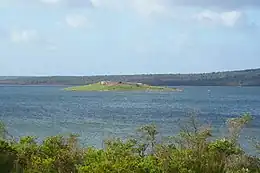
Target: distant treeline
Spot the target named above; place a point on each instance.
(250, 77)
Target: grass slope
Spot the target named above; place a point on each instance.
(119, 87)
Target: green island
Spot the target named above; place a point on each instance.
(119, 86)
(191, 151)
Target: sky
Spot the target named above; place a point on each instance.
(96, 37)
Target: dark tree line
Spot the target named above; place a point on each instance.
(250, 77)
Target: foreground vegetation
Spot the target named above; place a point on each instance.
(119, 86)
(192, 151)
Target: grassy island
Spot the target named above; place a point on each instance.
(119, 86)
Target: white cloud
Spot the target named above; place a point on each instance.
(223, 4)
(229, 19)
(150, 7)
(46, 3)
(32, 37)
(24, 36)
(51, 1)
(145, 8)
(97, 3)
(68, 3)
(76, 21)
(110, 4)
(232, 18)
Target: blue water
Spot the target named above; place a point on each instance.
(48, 110)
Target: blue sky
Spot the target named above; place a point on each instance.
(92, 37)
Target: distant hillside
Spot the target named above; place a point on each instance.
(8, 77)
(250, 77)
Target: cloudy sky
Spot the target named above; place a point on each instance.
(91, 37)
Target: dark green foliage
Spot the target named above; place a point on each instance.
(191, 151)
(8, 156)
(3, 132)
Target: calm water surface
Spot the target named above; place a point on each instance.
(48, 110)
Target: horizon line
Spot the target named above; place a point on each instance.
(134, 74)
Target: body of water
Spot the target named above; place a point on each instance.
(48, 110)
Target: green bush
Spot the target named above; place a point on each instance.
(192, 151)
(8, 156)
